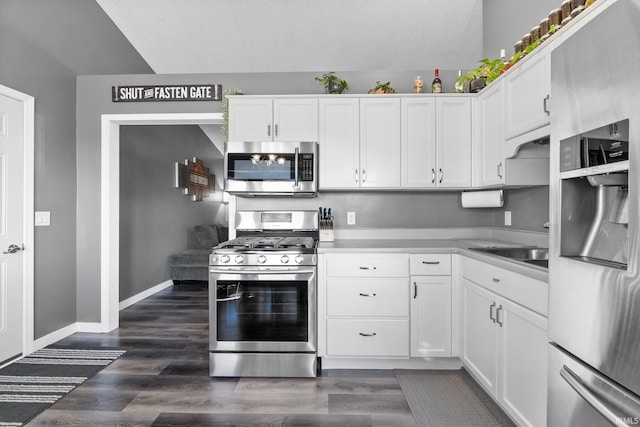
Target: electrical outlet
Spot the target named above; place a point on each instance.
(507, 218)
(351, 218)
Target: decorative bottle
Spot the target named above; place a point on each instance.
(436, 85)
(459, 86)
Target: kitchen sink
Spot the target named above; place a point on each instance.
(530, 255)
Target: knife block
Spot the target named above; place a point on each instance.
(326, 231)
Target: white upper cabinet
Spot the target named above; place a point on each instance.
(418, 137)
(339, 142)
(527, 96)
(265, 119)
(453, 135)
(359, 142)
(379, 142)
(436, 142)
(489, 151)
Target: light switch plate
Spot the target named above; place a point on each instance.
(43, 218)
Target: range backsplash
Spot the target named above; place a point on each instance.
(412, 209)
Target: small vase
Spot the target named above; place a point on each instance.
(335, 88)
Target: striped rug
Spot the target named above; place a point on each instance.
(30, 385)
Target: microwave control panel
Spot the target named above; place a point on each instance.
(305, 167)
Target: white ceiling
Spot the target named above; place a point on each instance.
(231, 36)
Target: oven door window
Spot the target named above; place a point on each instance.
(261, 167)
(262, 311)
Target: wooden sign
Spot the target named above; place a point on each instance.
(206, 92)
(195, 179)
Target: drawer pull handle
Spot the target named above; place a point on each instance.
(431, 262)
(367, 295)
(368, 268)
(496, 280)
(498, 320)
(362, 334)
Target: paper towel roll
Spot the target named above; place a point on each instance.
(482, 199)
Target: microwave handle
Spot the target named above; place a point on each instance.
(296, 171)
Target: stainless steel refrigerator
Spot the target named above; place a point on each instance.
(594, 278)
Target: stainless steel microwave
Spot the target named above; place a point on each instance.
(271, 168)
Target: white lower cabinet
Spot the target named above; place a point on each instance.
(367, 305)
(504, 346)
(430, 305)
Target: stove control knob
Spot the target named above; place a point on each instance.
(284, 259)
(239, 259)
(262, 259)
(299, 259)
(224, 259)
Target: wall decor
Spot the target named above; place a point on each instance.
(205, 92)
(194, 178)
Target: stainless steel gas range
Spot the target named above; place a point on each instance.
(262, 297)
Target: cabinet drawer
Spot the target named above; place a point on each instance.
(368, 337)
(367, 265)
(519, 288)
(430, 264)
(368, 297)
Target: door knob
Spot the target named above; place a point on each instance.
(12, 249)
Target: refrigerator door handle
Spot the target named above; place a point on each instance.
(603, 407)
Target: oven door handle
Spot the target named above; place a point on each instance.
(297, 172)
(247, 271)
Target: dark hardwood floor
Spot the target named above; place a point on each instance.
(163, 380)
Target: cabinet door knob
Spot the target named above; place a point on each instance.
(496, 280)
(491, 316)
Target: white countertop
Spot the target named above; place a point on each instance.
(421, 246)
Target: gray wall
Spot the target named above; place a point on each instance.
(45, 44)
(506, 21)
(154, 215)
(386, 209)
(529, 209)
(304, 35)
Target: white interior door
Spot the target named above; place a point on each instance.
(12, 125)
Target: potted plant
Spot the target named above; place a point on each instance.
(333, 83)
(382, 88)
(476, 79)
(224, 127)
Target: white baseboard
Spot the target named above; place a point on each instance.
(54, 337)
(93, 327)
(145, 294)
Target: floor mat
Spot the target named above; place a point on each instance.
(32, 384)
(439, 398)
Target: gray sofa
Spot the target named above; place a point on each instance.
(192, 264)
